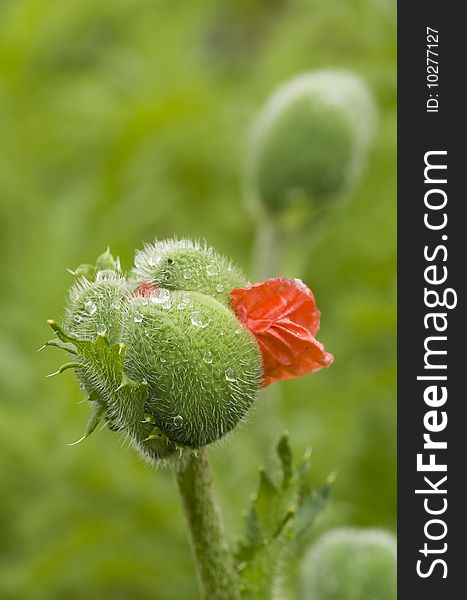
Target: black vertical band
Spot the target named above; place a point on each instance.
(432, 333)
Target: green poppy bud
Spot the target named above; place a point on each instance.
(309, 142)
(351, 564)
(202, 367)
(189, 266)
(95, 307)
(168, 363)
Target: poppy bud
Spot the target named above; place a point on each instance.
(351, 564)
(163, 358)
(309, 141)
(174, 356)
(185, 265)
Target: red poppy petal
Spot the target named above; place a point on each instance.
(144, 289)
(283, 316)
(265, 303)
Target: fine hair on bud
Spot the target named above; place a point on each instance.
(309, 142)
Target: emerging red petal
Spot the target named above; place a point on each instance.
(283, 316)
(144, 290)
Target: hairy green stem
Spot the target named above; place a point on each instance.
(213, 559)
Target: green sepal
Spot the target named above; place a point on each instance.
(107, 262)
(65, 367)
(61, 334)
(58, 343)
(104, 262)
(123, 399)
(98, 410)
(85, 270)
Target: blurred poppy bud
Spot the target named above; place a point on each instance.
(351, 564)
(173, 355)
(309, 142)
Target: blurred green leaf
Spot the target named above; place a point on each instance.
(279, 516)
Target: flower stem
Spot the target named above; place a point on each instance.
(213, 559)
(267, 251)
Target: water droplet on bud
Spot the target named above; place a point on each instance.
(138, 318)
(178, 420)
(90, 307)
(199, 320)
(212, 270)
(187, 274)
(154, 260)
(219, 288)
(185, 302)
(160, 295)
(230, 375)
(208, 357)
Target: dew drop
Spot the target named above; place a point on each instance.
(154, 260)
(178, 420)
(230, 375)
(185, 302)
(208, 357)
(187, 274)
(219, 288)
(90, 307)
(212, 270)
(160, 295)
(199, 320)
(138, 318)
(101, 329)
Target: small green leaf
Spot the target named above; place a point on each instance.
(311, 504)
(278, 518)
(285, 455)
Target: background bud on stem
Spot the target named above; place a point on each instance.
(307, 147)
(309, 142)
(351, 564)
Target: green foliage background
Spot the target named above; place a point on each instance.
(125, 120)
